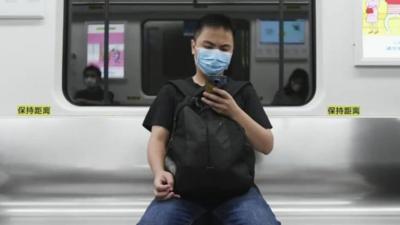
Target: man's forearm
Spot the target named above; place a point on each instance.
(156, 155)
(259, 137)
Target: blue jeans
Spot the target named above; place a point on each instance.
(247, 209)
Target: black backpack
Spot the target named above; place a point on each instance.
(210, 152)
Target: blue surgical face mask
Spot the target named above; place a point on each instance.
(212, 62)
(91, 82)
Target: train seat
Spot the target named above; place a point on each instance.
(59, 177)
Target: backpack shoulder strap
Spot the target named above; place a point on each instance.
(185, 88)
(234, 86)
(189, 92)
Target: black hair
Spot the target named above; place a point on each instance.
(298, 74)
(215, 21)
(92, 68)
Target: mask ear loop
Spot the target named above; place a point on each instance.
(196, 57)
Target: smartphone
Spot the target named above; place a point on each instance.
(218, 81)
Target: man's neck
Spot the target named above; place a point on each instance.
(199, 78)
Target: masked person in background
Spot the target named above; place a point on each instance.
(296, 90)
(210, 136)
(93, 94)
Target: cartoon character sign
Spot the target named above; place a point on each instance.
(95, 48)
(115, 55)
(380, 31)
(372, 11)
(393, 10)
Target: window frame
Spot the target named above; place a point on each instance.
(67, 44)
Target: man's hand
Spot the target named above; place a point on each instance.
(222, 102)
(163, 186)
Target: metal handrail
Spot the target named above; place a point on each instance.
(106, 97)
(99, 2)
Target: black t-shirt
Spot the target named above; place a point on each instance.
(162, 110)
(92, 94)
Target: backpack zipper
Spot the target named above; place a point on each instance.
(209, 166)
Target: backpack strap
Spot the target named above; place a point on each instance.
(189, 92)
(233, 86)
(185, 88)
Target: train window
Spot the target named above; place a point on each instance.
(149, 43)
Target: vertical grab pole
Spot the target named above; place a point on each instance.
(311, 25)
(281, 44)
(106, 99)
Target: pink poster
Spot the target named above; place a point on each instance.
(95, 49)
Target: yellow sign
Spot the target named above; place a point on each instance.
(344, 110)
(33, 110)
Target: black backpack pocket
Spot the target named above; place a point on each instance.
(226, 142)
(188, 146)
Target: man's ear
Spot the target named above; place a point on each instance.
(193, 43)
